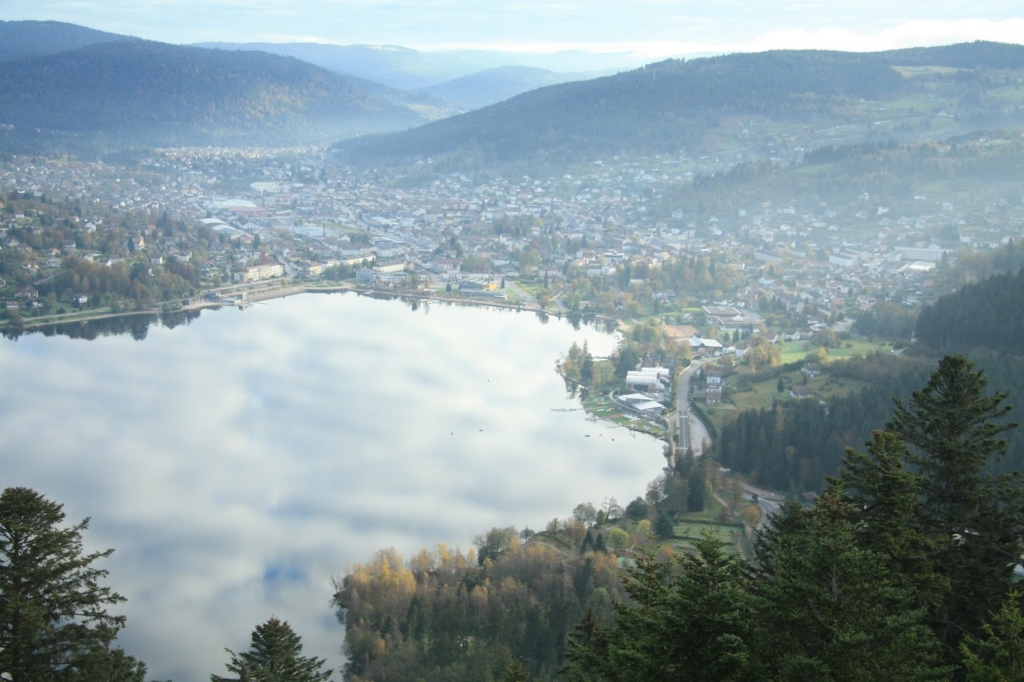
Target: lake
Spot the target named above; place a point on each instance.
(236, 464)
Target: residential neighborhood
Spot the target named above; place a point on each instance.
(608, 240)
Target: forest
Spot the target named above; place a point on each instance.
(902, 569)
(983, 314)
(794, 446)
(663, 107)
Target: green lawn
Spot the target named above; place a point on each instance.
(687, 532)
(721, 415)
(795, 351)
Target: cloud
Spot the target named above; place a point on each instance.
(918, 33)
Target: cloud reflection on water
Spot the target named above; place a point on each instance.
(239, 463)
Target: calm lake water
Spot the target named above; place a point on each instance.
(240, 462)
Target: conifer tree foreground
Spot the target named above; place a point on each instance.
(54, 623)
(891, 575)
(973, 519)
(275, 656)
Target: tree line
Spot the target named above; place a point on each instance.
(982, 314)
(445, 615)
(792, 446)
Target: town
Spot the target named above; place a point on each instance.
(628, 238)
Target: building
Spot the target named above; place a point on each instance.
(649, 380)
(260, 272)
(713, 392)
(641, 404)
(930, 255)
(698, 344)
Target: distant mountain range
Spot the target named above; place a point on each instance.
(461, 79)
(673, 105)
(131, 92)
(69, 87)
(490, 86)
(72, 88)
(398, 67)
(37, 38)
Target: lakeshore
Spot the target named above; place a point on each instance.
(244, 295)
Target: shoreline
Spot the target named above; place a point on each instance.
(282, 291)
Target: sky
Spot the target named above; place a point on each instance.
(645, 30)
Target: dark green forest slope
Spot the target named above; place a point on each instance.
(986, 314)
(794, 446)
(137, 92)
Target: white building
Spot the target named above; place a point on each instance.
(641, 403)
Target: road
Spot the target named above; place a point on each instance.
(691, 430)
(693, 434)
(769, 502)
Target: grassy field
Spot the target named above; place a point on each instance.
(687, 532)
(795, 351)
(763, 393)
(721, 415)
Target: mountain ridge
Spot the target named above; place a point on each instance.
(670, 105)
(37, 38)
(147, 93)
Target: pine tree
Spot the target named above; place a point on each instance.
(515, 672)
(693, 624)
(952, 428)
(999, 654)
(53, 618)
(887, 494)
(695, 490)
(275, 656)
(587, 367)
(828, 608)
(663, 526)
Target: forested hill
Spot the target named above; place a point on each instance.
(661, 107)
(986, 314)
(36, 38)
(668, 106)
(140, 92)
(979, 54)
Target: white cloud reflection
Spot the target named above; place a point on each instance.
(237, 464)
